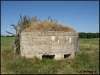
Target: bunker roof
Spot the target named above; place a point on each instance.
(33, 24)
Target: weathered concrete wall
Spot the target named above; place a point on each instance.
(56, 43)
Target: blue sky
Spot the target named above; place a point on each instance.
(83, 16)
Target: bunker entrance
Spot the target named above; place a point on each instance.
(48, 56)
(66, 55)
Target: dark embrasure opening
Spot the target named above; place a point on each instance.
(48, 56)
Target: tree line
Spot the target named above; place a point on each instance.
(88, 35)
(7, 35)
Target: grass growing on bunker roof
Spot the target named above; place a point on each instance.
(33, 24)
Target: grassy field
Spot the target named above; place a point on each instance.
(87, 61)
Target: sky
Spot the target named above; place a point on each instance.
(83, 16)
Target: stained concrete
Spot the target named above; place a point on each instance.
(57, 43)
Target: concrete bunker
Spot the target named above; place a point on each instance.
(45, 38)
(49, 44)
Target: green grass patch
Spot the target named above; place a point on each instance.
(7, 41)
(15, 64)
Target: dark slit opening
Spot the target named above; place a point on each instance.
(48, 56)
(66, 55)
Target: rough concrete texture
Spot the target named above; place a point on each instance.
(57, 43)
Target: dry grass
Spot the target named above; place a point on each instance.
(45, 26)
